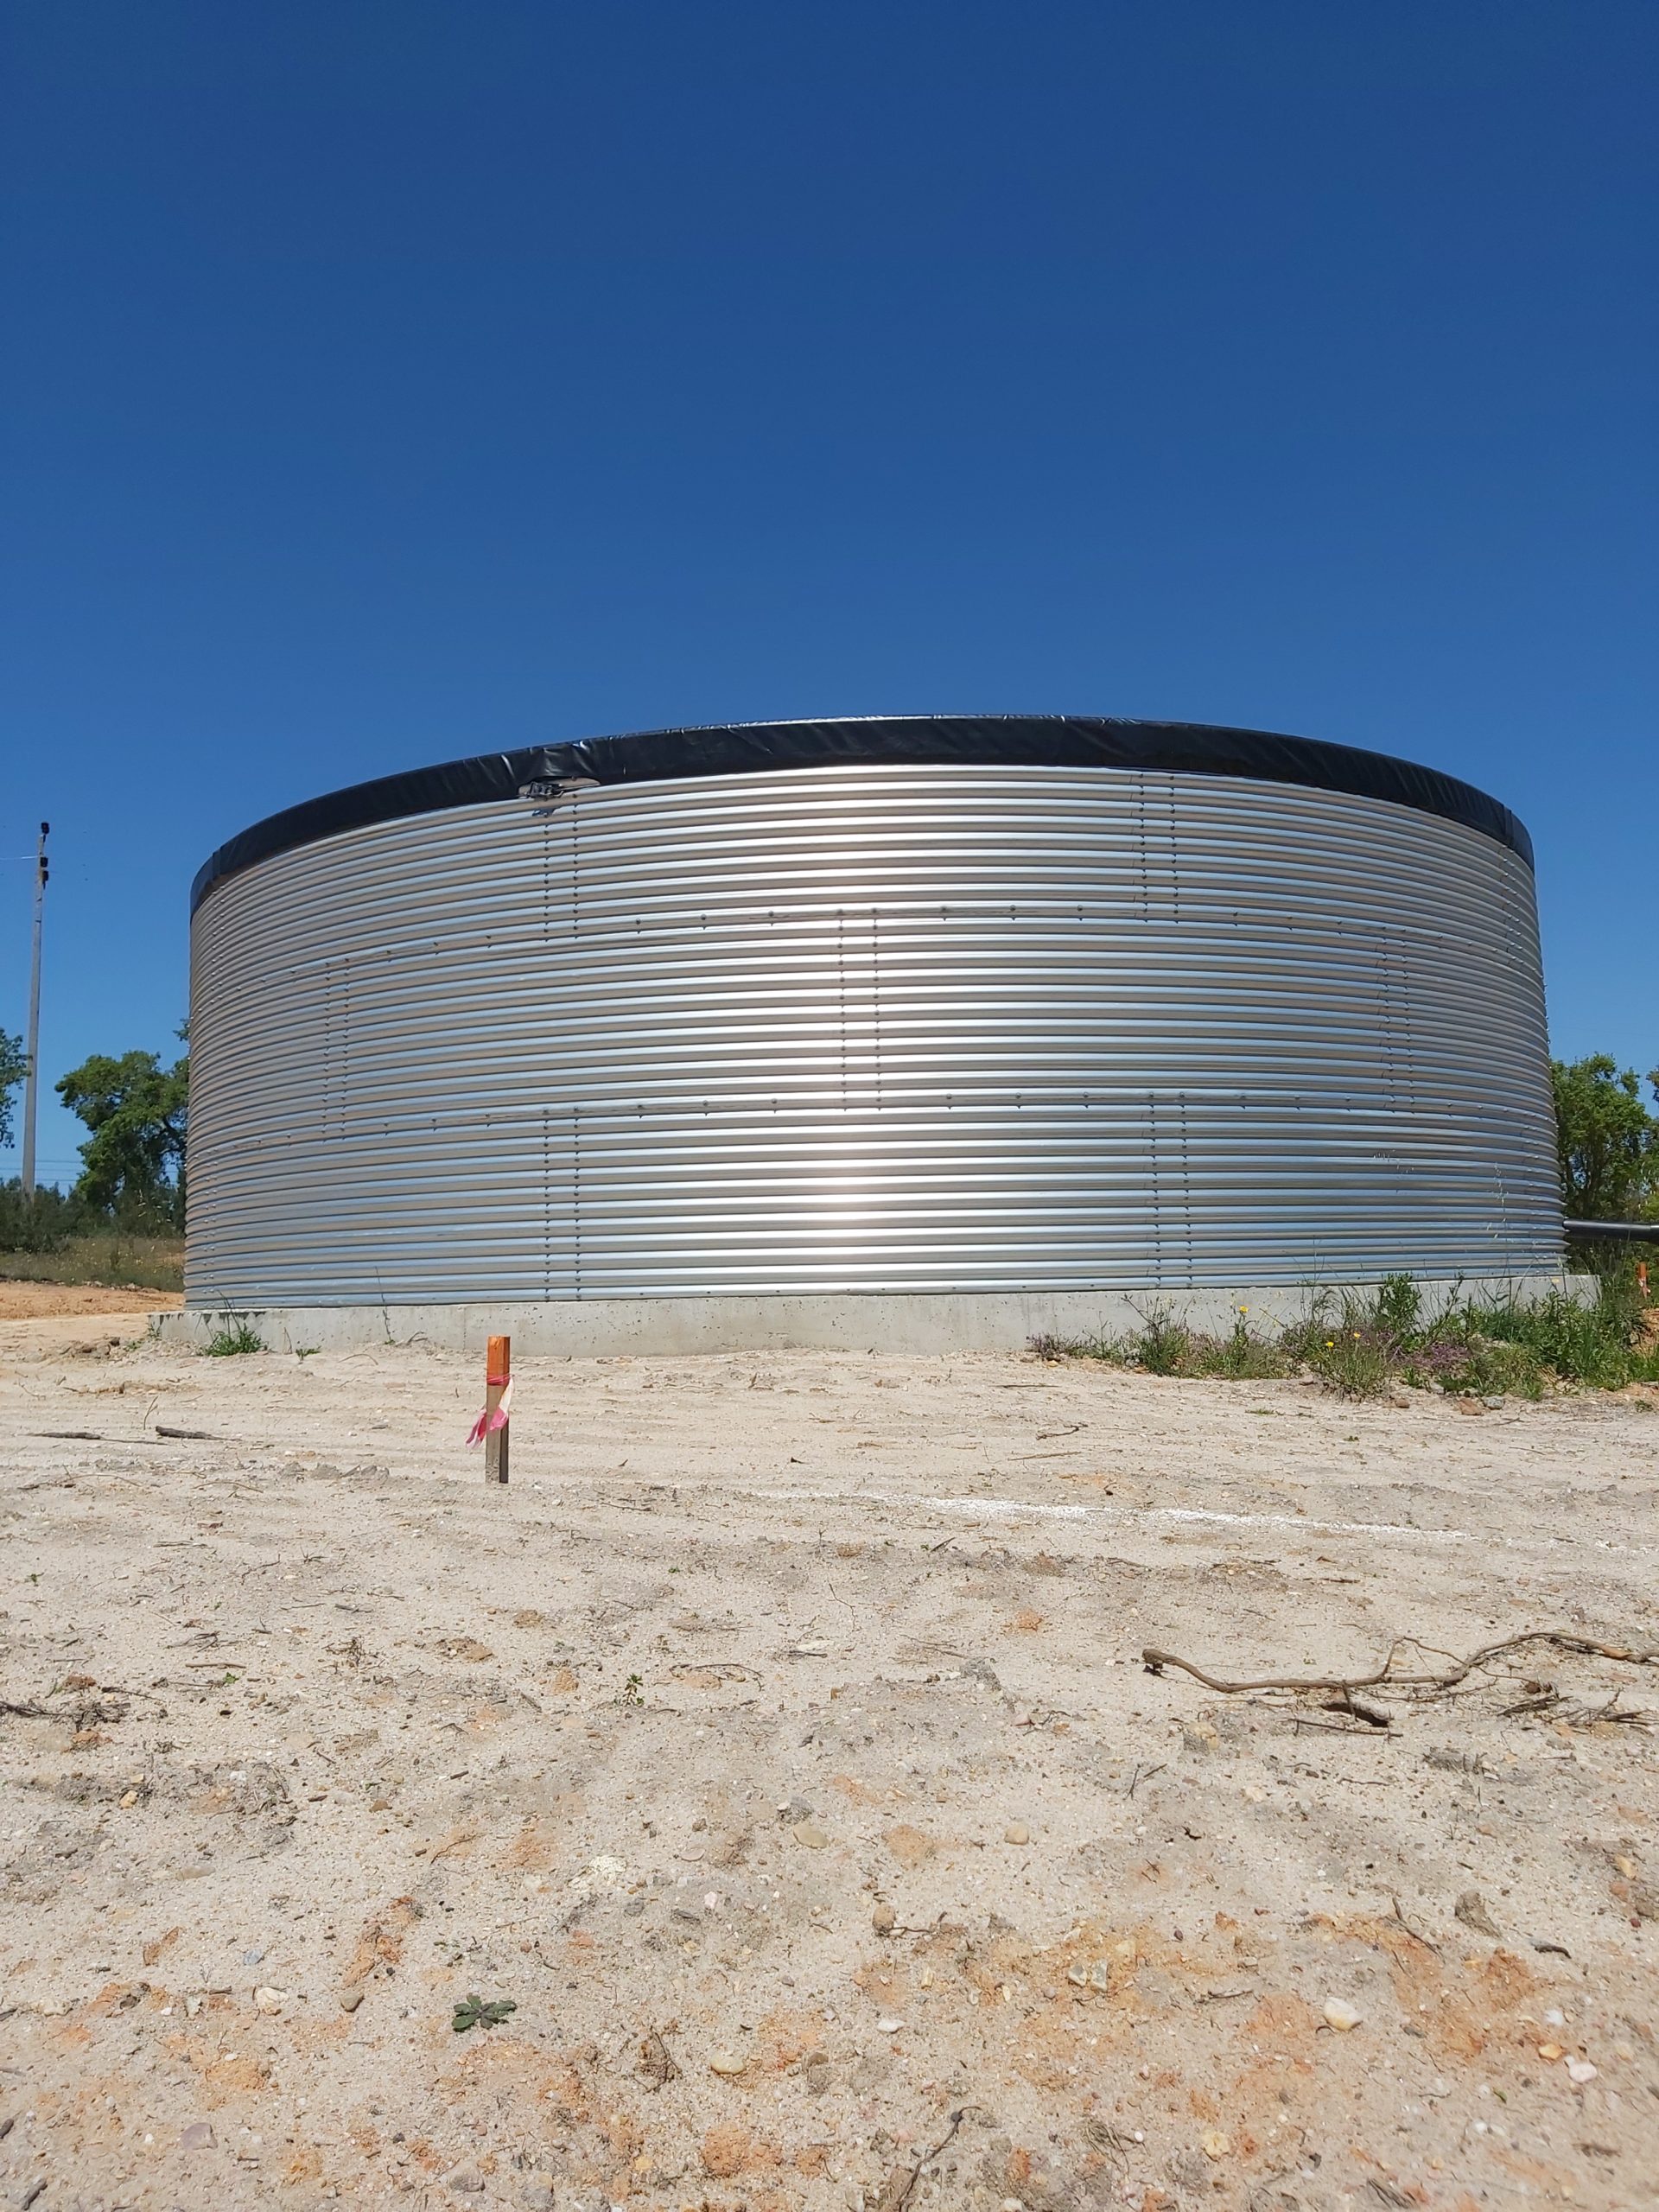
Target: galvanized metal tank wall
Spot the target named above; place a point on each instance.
(877, 1028)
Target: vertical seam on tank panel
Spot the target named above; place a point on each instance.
(344, 1085)
(547, 821)
(1155, 1191)
(876, 999)
(1519, 991)
(1407, 1029)
(575, 1103)
(323, 1088)
(1385, 964)
(1174, 850)
(1396, 1018)
(841, 987)
(1156, 1239)
(1175, 920)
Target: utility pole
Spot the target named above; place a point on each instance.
(32, 1047)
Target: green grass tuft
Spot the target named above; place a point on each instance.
(236, 1336)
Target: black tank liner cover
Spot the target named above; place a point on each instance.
(747, 748)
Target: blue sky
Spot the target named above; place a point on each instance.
(387, 380)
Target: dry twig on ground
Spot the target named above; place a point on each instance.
(1421, 1684)
(895, 2193)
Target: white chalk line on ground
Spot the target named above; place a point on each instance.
(993, 1508)
(1214, 1515)
(1007, 1508)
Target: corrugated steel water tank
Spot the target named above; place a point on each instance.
(939, 1004)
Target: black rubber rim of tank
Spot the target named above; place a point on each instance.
(746, 748)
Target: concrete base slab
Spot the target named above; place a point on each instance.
(868, 1322)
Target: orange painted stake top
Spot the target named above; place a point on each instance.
(497, 1369)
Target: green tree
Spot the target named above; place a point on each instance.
(1607, 1141)
(133, 1162)
(13, 1066)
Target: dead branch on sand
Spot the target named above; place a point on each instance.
(1419, 1685)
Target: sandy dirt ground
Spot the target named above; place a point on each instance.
(778, 1746)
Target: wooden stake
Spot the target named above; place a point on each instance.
(498, 1373)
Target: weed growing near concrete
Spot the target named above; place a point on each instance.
(1358, 1345)
(235, 1337)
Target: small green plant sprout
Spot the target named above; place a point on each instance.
(1240, 1357)
(306, 1352)
(236, 1335)
(1166, 1344)
(634, 1690)
(1399, 1306)
(476, 2013)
